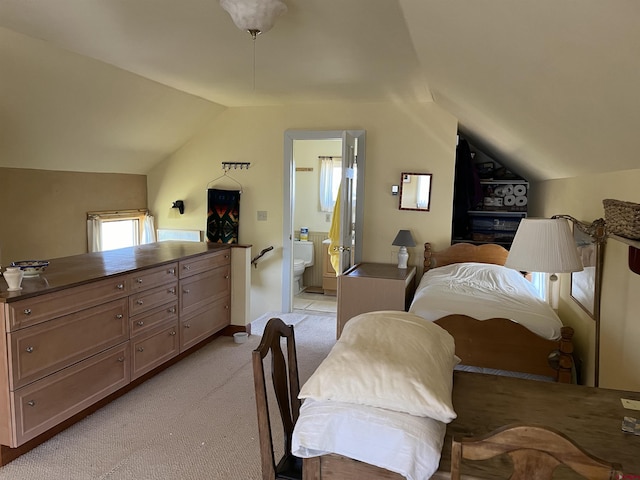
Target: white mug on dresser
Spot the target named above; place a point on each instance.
(13, 276)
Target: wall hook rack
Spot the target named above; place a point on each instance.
(235, 165)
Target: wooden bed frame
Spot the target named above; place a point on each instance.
(499, 343)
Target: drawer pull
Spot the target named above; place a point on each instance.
(187, 325)
(187, 267)
(29, 349)
(139, 302)
(172, 310)
(186, 290)
(172, 333)
(226, 256)
(119, 316)
(140, 349)
(140, 323)
(226, 307)
(226, 276)
(120, 286)
(27, 311)
(172, 290)
(121, 359)
(171, 271)
(139, 280)
(31, 403)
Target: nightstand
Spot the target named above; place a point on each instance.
(368, 287)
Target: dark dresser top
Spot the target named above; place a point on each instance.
(76, 270)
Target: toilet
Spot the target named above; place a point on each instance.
(302, 258)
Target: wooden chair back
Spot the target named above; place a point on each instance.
(286, 386)
(535, 451)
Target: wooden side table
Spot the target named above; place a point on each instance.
(368, 287)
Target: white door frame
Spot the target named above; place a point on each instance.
(288, 201)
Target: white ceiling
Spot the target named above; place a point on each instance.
(548, 85)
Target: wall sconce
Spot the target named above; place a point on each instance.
(179, 204)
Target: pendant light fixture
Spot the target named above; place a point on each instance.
(254, 16)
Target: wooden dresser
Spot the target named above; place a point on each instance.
(91, 324)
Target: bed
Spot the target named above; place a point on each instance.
(500, 342)
(385, 406)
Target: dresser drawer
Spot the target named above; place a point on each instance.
(204, 323)
(199, 290)
(153, 277)
(47, 402)
(147, 320)
(42, 349)
(204, 263)
(154, 297)
(153, 348)
(52, 305)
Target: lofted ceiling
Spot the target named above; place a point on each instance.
(118, 85)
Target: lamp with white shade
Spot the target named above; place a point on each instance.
(403, 240)
(545, 245)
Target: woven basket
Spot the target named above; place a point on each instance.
(623, 218)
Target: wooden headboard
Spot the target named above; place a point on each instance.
(464, 252)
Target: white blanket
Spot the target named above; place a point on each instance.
(399, 442)
(484, 291)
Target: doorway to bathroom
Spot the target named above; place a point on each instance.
(309, 278)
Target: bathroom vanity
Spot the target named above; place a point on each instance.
(91, 325)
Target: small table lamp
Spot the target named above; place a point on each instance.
(403, 240)
(544, 245)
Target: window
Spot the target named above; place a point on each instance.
(330, 176)
(109, 230)
(539, 282)
(120, 233)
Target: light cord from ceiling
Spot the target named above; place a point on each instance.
(254, 34)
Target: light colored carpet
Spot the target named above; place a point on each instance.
(195, 420)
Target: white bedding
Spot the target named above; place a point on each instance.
(389, 359)
(484, 291)
(357, 403)
(402, 443)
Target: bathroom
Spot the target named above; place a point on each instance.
(314, 282)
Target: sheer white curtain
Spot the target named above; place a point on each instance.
(94, 234)
(326, 184)
(148, 230)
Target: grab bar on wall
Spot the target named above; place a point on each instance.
(254, 260)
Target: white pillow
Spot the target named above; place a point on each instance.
(389, 359)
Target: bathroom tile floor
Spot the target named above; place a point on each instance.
(317, 302)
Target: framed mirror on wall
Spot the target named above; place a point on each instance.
(415, 191)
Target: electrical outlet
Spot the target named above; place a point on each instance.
(262, 215)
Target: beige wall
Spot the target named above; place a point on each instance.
(44, 213)
(400, 137)
(581, 197)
